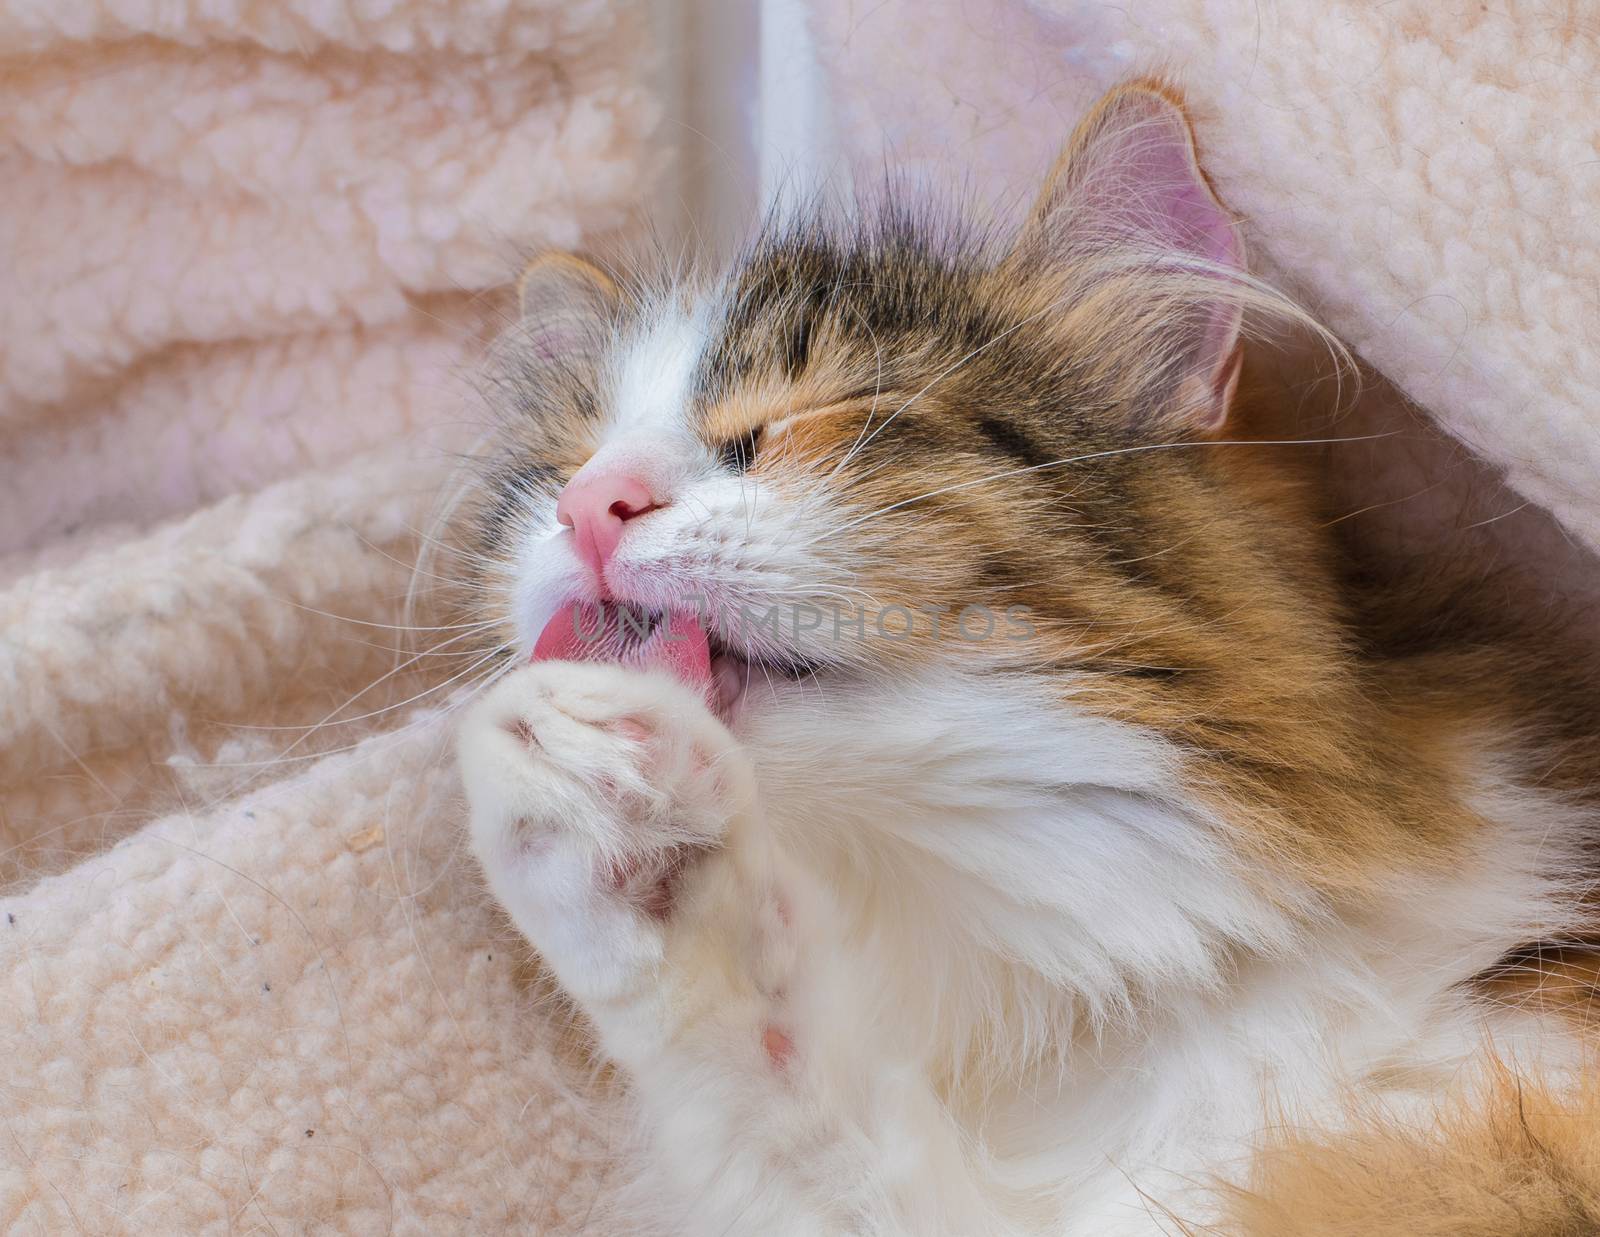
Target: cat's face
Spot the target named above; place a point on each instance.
(873, 448)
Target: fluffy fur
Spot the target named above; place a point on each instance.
(1052, 933)
(1499, 1155)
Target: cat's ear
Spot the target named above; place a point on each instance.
(1127, 194)
(567, 308)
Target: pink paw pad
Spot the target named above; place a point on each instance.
(633, 730)
(778, 1046)
(651, 884)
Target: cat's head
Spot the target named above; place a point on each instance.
(881, 445)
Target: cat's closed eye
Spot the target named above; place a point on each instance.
(738, 453)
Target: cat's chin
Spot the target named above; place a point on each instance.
(739, 683)
(730, 675)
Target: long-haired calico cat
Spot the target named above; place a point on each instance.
(963, 782)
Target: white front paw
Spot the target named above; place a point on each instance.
(595, 794)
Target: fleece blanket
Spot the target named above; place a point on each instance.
(248, 978)
(249, 254)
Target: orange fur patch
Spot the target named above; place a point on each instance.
(1517, 1160)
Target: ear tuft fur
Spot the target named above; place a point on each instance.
(567, 306)
(1127, 199)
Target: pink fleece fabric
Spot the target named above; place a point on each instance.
(249, 980)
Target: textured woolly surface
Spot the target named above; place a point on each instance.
(1422, 174)
(250, 981)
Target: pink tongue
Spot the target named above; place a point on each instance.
(560, 641)
(679, 646)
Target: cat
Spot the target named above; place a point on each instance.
(965, 784)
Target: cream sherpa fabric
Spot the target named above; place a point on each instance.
(248, 255)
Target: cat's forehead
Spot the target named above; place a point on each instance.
(808, 318)
(659, 367)
(868, 284)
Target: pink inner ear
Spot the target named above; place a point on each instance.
(1142, 169)
(1138, 182)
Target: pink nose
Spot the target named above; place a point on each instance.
(595, 507)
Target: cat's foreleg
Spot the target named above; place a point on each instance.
(618, 823)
